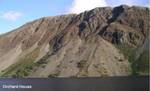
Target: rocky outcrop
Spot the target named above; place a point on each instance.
(83, 45)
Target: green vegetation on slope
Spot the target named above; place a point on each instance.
(23, 67)
(128, 52)
(26, 65)
(141, 65)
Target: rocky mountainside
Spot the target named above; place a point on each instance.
(96, 43)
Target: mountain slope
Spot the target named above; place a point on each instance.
(84, 45)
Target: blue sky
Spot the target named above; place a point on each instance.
(14, 13)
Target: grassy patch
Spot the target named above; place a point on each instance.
(23, 67)
(139, 65)
(128, 52)
(27, 64)
(142, 63)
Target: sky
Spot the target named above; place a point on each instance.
(14, 13)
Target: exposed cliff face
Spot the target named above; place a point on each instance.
(84, 45)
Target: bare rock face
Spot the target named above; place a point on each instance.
(127, 25)
(84, 45)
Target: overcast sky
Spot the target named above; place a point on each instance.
(14, 13)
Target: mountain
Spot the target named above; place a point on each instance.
(97, 43)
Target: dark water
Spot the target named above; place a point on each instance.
(80, 84)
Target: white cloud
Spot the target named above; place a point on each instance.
(131, 2)
(11, 15)
(1, 33)
(128, 2)
(79, 6)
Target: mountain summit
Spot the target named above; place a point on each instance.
(96, 43)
